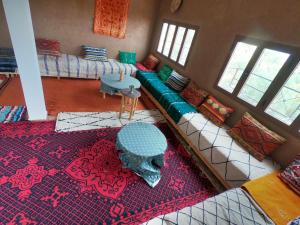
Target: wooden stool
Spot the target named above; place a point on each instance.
(129, 101)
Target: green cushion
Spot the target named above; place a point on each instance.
(127, 57)
(146, 77)
(165, 72)
(167, 99)
(178, 109)
(158, 88)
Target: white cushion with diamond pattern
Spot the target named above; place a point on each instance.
(231, 207)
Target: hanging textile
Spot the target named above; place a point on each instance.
(111, 17)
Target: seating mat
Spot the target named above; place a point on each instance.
(280, 202)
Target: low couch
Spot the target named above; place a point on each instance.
(230, 162)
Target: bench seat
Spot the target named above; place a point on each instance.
(167, 97)
(229, 159)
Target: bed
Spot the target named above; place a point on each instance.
(266, 200)
(71, 66)
(234, 206)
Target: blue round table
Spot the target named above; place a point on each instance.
(111, 83)
(143, 146)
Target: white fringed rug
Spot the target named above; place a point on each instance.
(76, 121)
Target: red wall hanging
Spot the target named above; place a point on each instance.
(111, 17)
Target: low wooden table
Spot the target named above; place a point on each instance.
(111, 83)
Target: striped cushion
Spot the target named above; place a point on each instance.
(47, 47)
(176, 81)
(95, 54)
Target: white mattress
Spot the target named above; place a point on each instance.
(230, 160)
(234, 206)
(72, 66)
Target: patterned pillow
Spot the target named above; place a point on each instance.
(165, 72)
(193, 94)
(151, 62)
(291, 175)
(295, 221)
(176, 81)
(95, 54)
(127, 57)
(256, 138)
(47, 47)
(215, 110)
(141, 67)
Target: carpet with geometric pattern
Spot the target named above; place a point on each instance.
(77, 178)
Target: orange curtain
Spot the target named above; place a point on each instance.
(111, 17)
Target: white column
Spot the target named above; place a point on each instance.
(19, 22)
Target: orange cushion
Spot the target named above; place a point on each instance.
(193, 94)
(141, 67)
(215, 110)
(151, 62)
(47, 47)
(256, 138)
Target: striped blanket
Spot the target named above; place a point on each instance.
(12, 113)
(8, 61)
(76, 67)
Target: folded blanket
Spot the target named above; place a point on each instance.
(7, 52)
(8, 61)
(8, 69)
(277, 200)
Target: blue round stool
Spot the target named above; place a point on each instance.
(143, 146)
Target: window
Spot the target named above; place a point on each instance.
(262, 75)
(169, 39)
(175, 42)
(236, 66)
(286, 105)
(265, 76)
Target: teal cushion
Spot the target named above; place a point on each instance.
(174, 104)
(167, 99)
(127, 57)
(146, 77)
(153, 84)
(158, 88)
(165, 72)
(177, 110)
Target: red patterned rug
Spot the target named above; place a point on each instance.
(77, 178)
